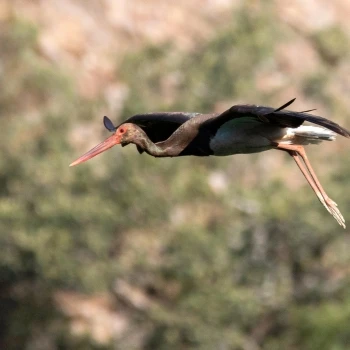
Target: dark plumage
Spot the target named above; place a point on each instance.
(240, 129)
(279, 116)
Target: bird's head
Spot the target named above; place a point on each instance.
(126, 133)
(129, 133)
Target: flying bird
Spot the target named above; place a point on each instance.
(241, 129)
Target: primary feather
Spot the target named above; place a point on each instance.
(279, 116)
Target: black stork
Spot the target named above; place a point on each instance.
(240, 129)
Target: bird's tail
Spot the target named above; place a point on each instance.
(305, 135)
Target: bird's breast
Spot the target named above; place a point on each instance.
(245, 135)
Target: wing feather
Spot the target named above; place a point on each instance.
(280, 116)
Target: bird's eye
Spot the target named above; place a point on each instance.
(121, 130)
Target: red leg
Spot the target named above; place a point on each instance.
(304, 165)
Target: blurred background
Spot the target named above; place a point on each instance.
(132, 252)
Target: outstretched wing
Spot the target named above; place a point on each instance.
(279, 116)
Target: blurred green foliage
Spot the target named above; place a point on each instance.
(332, 44)
(221, 69)
(254, 266)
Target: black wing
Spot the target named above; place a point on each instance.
(279, 116)
(159, 126)
(108, 124)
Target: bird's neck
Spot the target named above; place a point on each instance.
(148, 146)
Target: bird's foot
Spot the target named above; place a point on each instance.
(332, 207)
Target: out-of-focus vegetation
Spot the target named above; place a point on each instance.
(229, 253)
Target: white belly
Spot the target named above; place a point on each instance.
(245, 135)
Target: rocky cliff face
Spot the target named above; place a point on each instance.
(87, 38)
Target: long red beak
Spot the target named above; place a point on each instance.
(103, 146)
